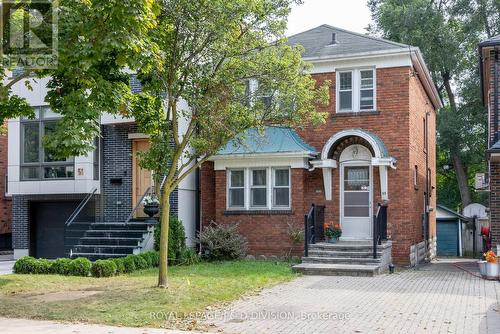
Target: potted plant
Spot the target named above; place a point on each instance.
(491, 265)
(151, 205)
(332, 232)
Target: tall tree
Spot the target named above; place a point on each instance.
(229, 61)
(447, 33)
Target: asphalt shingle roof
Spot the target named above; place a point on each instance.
(270, 140)
(492, 41)
(317, 42)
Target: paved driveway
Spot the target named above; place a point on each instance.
(6, 267)
(436, 298)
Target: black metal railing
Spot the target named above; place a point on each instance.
(379, 227)
(309, 229)
(80, 207)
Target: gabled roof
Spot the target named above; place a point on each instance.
(490, 42)
(450, 212)
(317, 42)
(495, 148)
(270, 140)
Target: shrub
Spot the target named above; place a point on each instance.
(147, 258)
(189, 257)
(176, 239)
(30, 265)
(80, 267)
(103, 268)
(155, 259)
(129, 264)
(139, 262)
(25, 265)
(120, 267)
(223, 242)
(60, 266)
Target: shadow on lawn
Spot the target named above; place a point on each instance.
(4, 281)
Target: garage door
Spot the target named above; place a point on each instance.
(47, 228)
(447, 238)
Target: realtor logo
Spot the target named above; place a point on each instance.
(29, 33)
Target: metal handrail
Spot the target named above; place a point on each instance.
(148, 191)
(131, 215)
(378, 232)
(309, 236)
(79, 208)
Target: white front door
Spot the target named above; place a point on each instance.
(356, 200)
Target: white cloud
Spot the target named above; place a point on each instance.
(352, 15)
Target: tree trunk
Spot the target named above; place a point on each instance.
(165, 217)
(462, 179)
(460, 170)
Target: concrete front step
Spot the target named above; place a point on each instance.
(341, 260)
(336, 269)
(340, 253)
(348, 246)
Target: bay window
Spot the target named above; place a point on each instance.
(38, 162)
(259, 188)
(356, 90)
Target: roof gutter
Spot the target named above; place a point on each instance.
(428, 83)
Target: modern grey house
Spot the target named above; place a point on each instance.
(87, 205)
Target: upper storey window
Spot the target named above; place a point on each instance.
(37, 162)
(356, 90)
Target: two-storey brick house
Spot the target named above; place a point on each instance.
(377, 145)
(489, 52)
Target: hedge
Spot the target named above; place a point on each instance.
(83, 267)
(104, 268)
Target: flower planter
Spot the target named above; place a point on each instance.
(482, 267)
(492, 271)
(151, 210)
(333, 240)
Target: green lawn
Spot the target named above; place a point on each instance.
(130, 300)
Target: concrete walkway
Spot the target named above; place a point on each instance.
(436, 298)
(22, 326)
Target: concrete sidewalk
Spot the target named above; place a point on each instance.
(23, 326)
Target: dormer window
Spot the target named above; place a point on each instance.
(356, 90)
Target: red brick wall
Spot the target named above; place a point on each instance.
(494, 165)
(5, 203)
(396, 91)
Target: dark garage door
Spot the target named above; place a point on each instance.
(47, 228)
(447, 238)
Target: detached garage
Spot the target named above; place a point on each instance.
(449, 231)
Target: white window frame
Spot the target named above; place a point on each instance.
(353, 79)
(274, 186)
(230, 187)
(356, 89)
(252, 187)
(247, 172)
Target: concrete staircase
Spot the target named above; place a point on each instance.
(346, 258)
(99, 240)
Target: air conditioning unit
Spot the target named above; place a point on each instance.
(481, 182)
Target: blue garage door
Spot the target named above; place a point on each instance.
(447, 238)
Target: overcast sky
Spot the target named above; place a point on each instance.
(347, 14)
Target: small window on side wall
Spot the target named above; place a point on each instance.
(415, 178)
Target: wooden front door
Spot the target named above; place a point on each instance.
(141, 178)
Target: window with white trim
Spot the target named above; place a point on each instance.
(267, 188)
(281, 187)
(236, 189)
(356, 90)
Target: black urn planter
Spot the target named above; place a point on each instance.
(151, 210)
